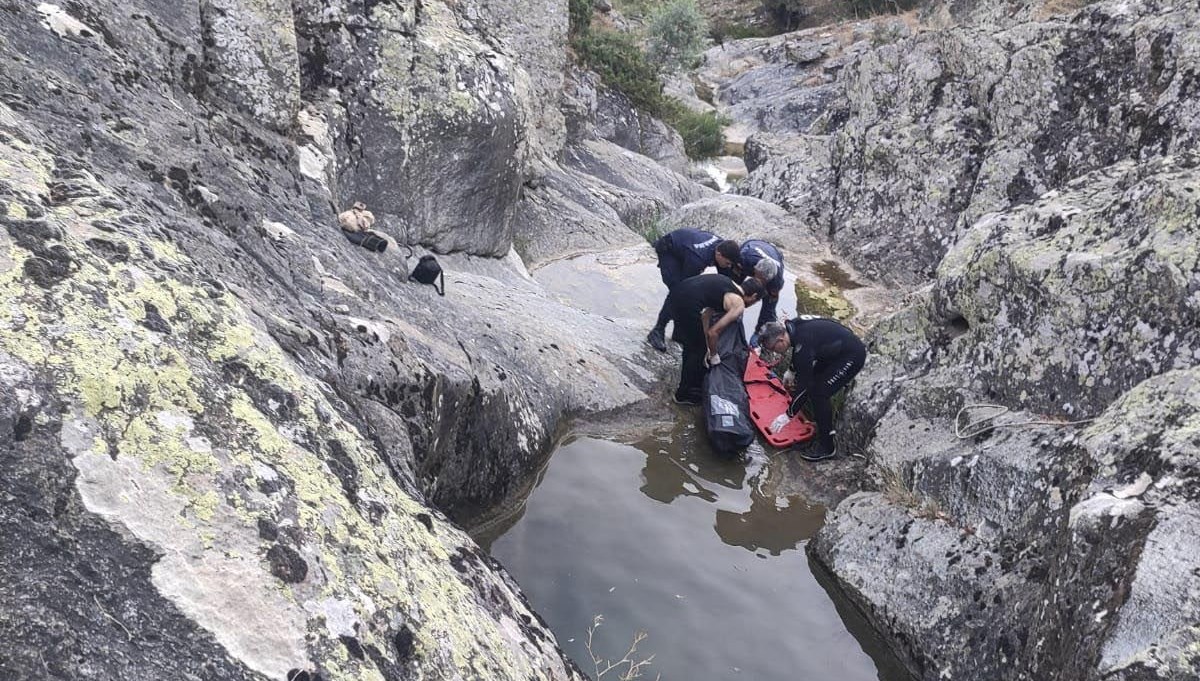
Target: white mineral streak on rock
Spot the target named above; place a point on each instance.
(339, 615)
(313, 163)
(1135, 489)
(277, 230)
(56, 19)
(226, 591)
(240, 603)
(369, 326)
(1104, 505)
(317, 157)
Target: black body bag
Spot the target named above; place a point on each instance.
(726, 405)
(428, 271)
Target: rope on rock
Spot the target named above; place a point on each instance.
(977, 427)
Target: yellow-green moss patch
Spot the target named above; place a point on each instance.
(827, 302)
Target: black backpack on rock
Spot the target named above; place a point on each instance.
(427, 271)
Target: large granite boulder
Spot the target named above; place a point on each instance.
(1033, 550)
(1072, 299)
(600, 196)
(432, 134)
(1057, 307)
(594, 111)
(930, 132)
(1032, 554)
(534, 34)
(233, 444)
(182, 494)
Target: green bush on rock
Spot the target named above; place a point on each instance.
(623, 66)
(702, 132)
(580, 16)
(677, 34)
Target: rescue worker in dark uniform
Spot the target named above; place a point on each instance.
(763, 261)
(826, 356)
(693, 303)
(685, 253)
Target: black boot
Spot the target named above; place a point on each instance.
(819, 452)
(657, 339)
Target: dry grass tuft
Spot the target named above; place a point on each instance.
(629, 667)
(897, 489)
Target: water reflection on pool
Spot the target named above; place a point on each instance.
(660, 535)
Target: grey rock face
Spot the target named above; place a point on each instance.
(600, 196)
(931, 132)
(779, 84)
(223, 426)
(618, 121)
(251, 58)
(534, 34)
(1145, 462)
(1034, 555)
(433, 134)
(1072, 301)
(1017, 553)
(596, 112)
(78, 597)
(1078, 296)
(240, 486)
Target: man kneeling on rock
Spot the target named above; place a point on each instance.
(685, 253)
(826, 356)
(356, 225)
(692, 304)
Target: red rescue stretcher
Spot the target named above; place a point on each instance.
(769, 399)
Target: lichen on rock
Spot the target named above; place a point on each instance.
(1077, 311)
(923, 136)
(232, 425)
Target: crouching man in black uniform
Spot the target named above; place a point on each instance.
(826, 356)
(683, 254)
(693, 303)
(764, 262)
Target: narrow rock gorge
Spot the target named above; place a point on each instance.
(233, 445)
